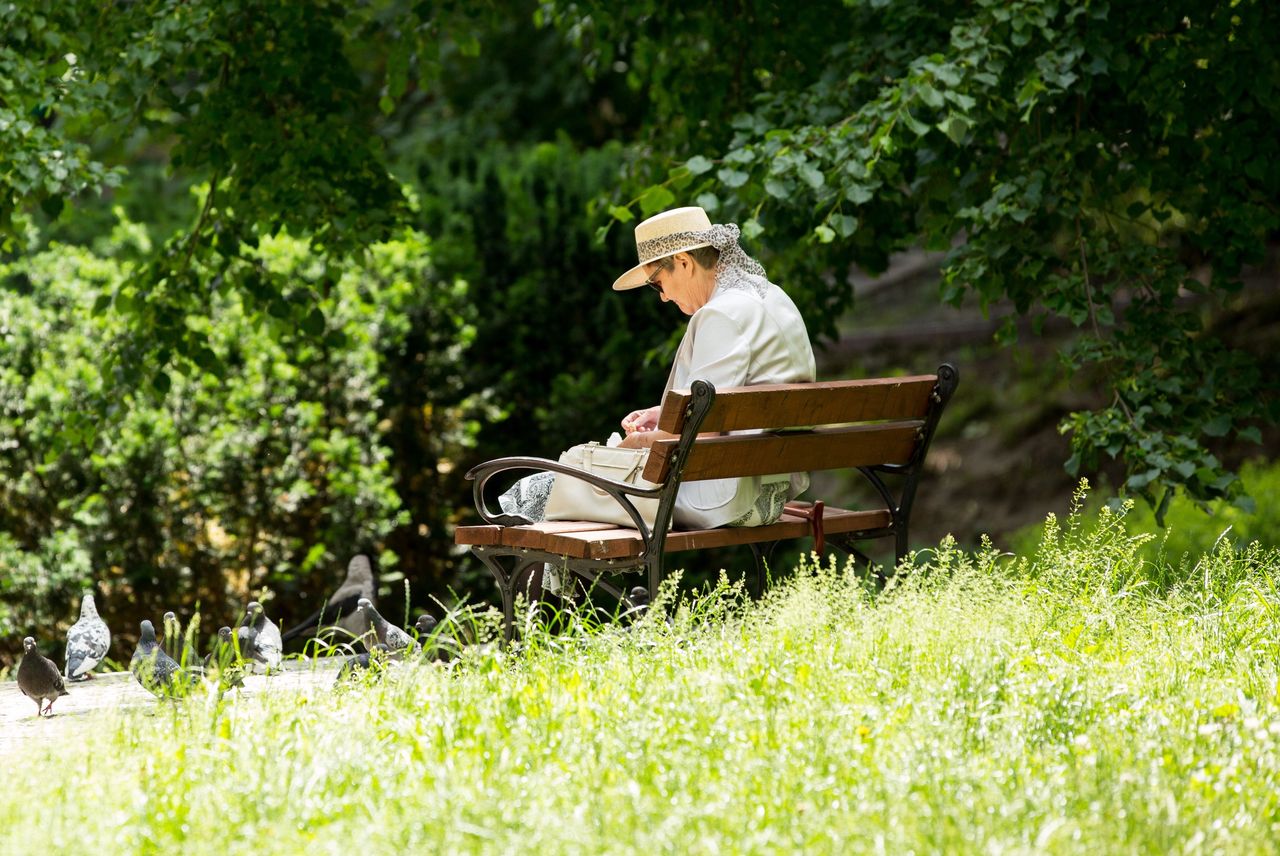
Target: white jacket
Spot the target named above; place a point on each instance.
(739, 339)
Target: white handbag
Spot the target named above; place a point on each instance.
(574, 499)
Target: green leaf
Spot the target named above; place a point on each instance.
(313, 323)
(955, 127)
(752, 229)
(825, 233)
(777, 188)
(698, 164)
(844, 225)
(858, 194)
(655, 199)
(812, 176)
(621, 213)
(732, 178)
(931, 96)
(1218, 426)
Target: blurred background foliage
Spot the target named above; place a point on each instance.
(274, 275)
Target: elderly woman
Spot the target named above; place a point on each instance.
(743, 330)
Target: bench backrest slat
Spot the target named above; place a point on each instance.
(769, 453)
(774, 406)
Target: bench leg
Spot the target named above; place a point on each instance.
(509, 570)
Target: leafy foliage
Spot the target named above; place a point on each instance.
(211, 484)
(1096, 161)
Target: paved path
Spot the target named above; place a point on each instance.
(118, 690)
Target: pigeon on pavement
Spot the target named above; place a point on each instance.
(173, 638)
(87, 642)
(397, 641)
(223, 663)
(340, 611)
(223, 652)
(39, 678)
(374, 658)
(436, 644)
(268, 646)
(158, 673)
(247, 645)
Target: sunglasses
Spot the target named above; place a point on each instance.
(654, 284)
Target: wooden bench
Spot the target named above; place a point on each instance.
(881, 427)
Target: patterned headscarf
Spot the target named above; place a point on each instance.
(734, 270)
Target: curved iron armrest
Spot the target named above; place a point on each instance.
(704, 395)
(616, 489)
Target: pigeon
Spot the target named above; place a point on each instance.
(359, 662)
(340, 611)
(639, 601)
(397, 641)
(267, 644)
(223, 663)
(436, 644)
(173, 637)
(158, 673)
(87, 642)
(247, 645)
(223, 652)
(39, 678)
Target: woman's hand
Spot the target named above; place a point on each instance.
(644, 439)
(640, 420)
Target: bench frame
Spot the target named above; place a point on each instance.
(515, 551)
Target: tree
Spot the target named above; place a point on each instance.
(1108, 163)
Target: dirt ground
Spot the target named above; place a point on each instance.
(96, 700)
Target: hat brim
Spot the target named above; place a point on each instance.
(636, 277)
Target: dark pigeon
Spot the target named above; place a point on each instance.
(397, 641)
(340, 613)
(375, 659)
(436, 644)
(268, 646)
(87, 642)
(39, 678)
(639, 603)
(223, 663)
(158, 673)
(223, 652)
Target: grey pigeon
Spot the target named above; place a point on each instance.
(223, 652)
(340, 611)
(223, 664)
(247, 645)
(39, 678)
(436, 644)
(268, 645)
(639, 601)
(173, 637)
(158, 673)
(87, 642)
(374, 658)
(397, 641)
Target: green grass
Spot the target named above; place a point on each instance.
(1190, 530)
(1057, 702)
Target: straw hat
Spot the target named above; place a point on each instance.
(662, 235)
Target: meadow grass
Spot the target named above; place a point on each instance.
(1055, 702)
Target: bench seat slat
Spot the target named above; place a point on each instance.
(585, 540)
